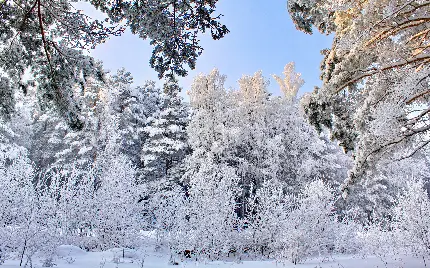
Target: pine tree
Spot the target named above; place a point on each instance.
(166, 146)
(46, 38)
(132, 106)
(82, 146)
(374, 97)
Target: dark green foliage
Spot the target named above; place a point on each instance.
(171, 25)
(308, 15)
(45, 39)
(7, 101)
(333, 115)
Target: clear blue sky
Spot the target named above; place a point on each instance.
(262, 37)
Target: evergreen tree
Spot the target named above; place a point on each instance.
(166, 146)
(46, 38)
(132, 106)
(374, 97)
(83, 146)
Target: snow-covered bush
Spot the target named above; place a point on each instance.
(116, 221)
(73, 190)
(411, 221)
(406, 231)
(377, 239)
(17, 201)
(208, 224)
(310, 225)
(291, 227)
(164, 205)
(28, 223)
(96, 207)
(269, 211)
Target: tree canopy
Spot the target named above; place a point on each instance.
(46, 39)
(376, 77)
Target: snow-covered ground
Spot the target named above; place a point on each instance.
(73, 257)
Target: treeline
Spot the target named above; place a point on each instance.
(234, 172)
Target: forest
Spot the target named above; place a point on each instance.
(96, 171)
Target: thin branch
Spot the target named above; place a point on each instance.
(27, 15)
(59, 50)
(383, 68)
(417, 96)
(42, 31)
(418, 35)
(415, 119)
(380, 99)
(417, 130)
(390, 15)
(415, 151)
(420, 49)
(399, 27)
(411, 133)
(416, 7)
(17, 4)
(422, 65)
(2, 4)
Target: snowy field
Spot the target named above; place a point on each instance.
(73, 257)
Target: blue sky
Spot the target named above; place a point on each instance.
(262, 37)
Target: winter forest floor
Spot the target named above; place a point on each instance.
(73, 257)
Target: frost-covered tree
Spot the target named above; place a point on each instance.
(113, 104)
(291, 227)
(209, 102)
(411, 221)
(131, 107)
(48, 130)
(16, 174)
(97, 207)
(83, 146)
(269, 209)
(307, 14)
(15, 124)
(211, 226)
(374, 97)
(73, 190)
(378, 192)
(116, 223)
(164, 211)
(311, 225)
(46, 39)
(210, 132)
(7, 98)
(281, 142)
(166, 145)
(263, 137)
(175, 33)
(268, 149)
(27, 224)
(407, 230)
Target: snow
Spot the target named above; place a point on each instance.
(85, 149)
(69, 250)
(74, 257)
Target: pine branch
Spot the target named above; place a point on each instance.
(383, 68)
